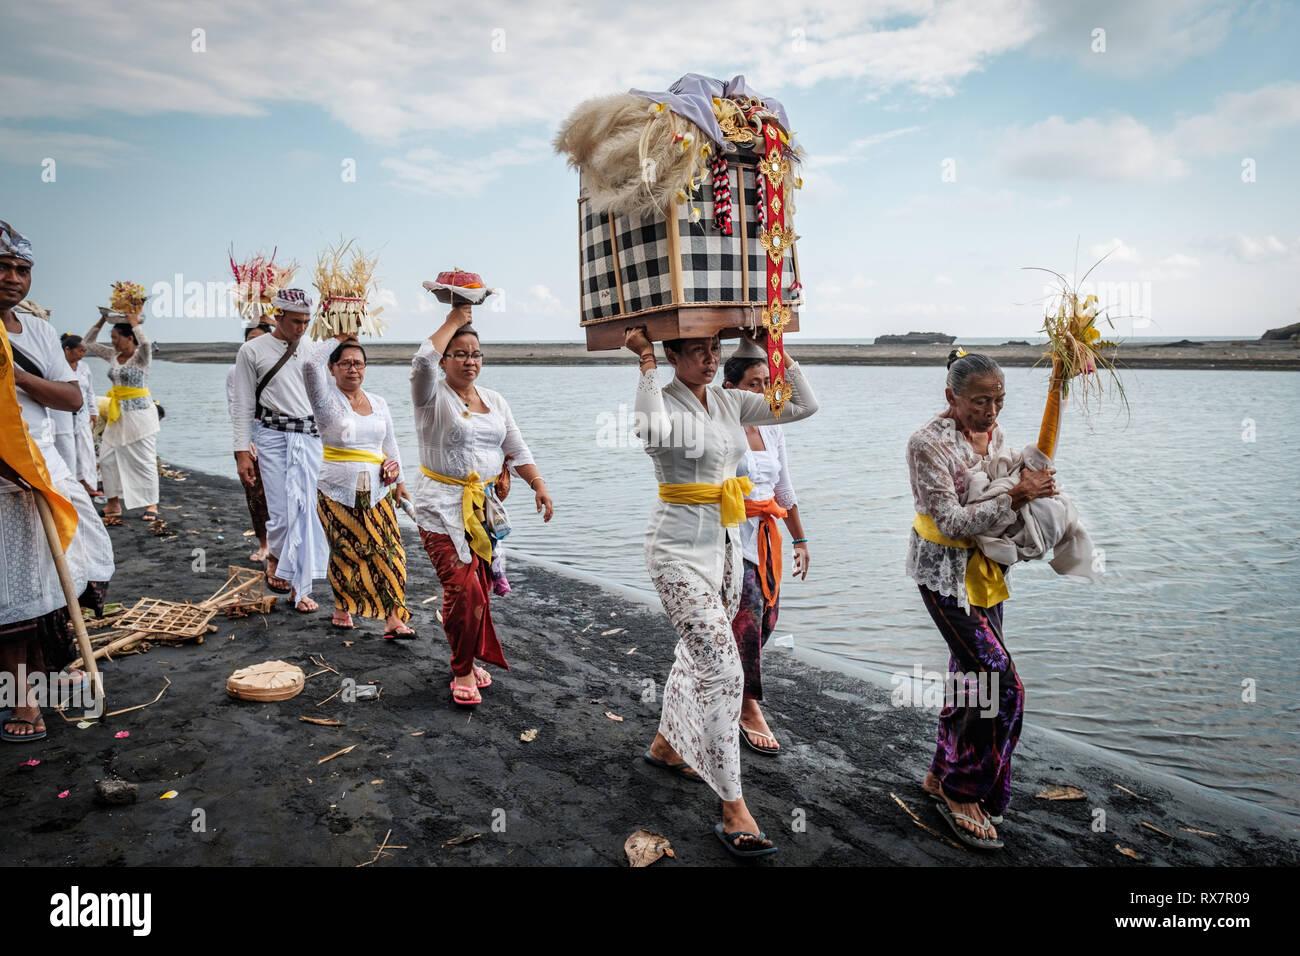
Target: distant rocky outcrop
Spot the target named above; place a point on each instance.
(916, 338)
(1284, 334)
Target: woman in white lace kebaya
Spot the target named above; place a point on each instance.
(128, 456)
(970, 775)
(359, 484)
(466, 434)
(694, 434)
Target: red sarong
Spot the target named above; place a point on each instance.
(466, 617)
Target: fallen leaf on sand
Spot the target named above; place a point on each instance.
(613, 613)
(457, 841)
(429, 600)
(612, 630)
(439, 616)
(168, 795)
(64, 794)
(528, 736)
(322, 721)
(418, 733)
(248, 534)
(1150, 826)
(632, 651)
(1198, 832)
(1056, 791)
(613, 716)
(122, 733)
(30, 763)
(376, 782)
(84, 724)
(1132, 854)
(337, 753)
(643, 848)
(1130, 792)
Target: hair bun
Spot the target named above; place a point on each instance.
(954, 355)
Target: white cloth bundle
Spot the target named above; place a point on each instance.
(1042, 525)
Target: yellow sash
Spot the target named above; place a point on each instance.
(118, 394)
(729, 496)
(985, 585)
(471, 509)
(353, 454)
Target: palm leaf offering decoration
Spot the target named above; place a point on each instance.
(257, 280)
(1076, 349)
(345, 281)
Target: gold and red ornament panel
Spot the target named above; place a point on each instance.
(776, 239)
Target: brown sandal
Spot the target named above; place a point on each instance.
(111, 518)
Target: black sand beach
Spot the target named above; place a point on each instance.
(456, 788)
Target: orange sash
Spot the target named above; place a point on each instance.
(20, 453)
(769, 545)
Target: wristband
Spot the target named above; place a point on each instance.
(799, 541)
(538, 478)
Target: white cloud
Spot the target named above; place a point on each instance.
(388, 72)
(1120, 148)
(1170, 268)
(32, 147)
(1258, 249)
(1140, 38)
(543, 300)
(429, 171)
(1116, 251)
(386, 298)
(858, 148)
(1089, 149)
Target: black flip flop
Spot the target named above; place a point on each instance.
(274, 588)
(765, 751)
(734, 850)
(680, 769)
(401, 635)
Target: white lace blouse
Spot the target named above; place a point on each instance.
(455, 442)
(691, 444)
(937, 455)
(770, 473)
(138, 417)
(342, 427)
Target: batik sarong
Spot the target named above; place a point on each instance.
(367, 564)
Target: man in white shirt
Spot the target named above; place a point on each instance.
(34, 633)
(279, 421)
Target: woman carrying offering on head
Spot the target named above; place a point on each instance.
(466, 432)
(694, 434)
(128, 456)
(963, 590)
(359, 484)
(764, 463)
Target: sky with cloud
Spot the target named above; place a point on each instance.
(949, 144)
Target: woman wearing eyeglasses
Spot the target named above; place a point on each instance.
(360, 483)
(466, 434)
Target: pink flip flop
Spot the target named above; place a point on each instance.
(464, 702)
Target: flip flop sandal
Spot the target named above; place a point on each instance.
(344, 627)
(680, 769)
(728, 840)
(482, 683)
(766, 751)
(404, 636)
(970, 839)
(149, 516)
(270, 583)
(111, 519)
(937, 798)
(6, 717)
(464, 701)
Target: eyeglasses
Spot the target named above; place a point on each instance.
(351, 363)
(461, 356)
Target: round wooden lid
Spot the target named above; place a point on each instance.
(269, 680)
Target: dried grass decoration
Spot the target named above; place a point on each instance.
(127, 298)
(269, 680)
(1076, 349)
(257, 280)
(635, 156)
(344, 285)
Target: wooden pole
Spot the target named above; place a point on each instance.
(69, 593)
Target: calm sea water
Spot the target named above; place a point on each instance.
(1185, 658)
